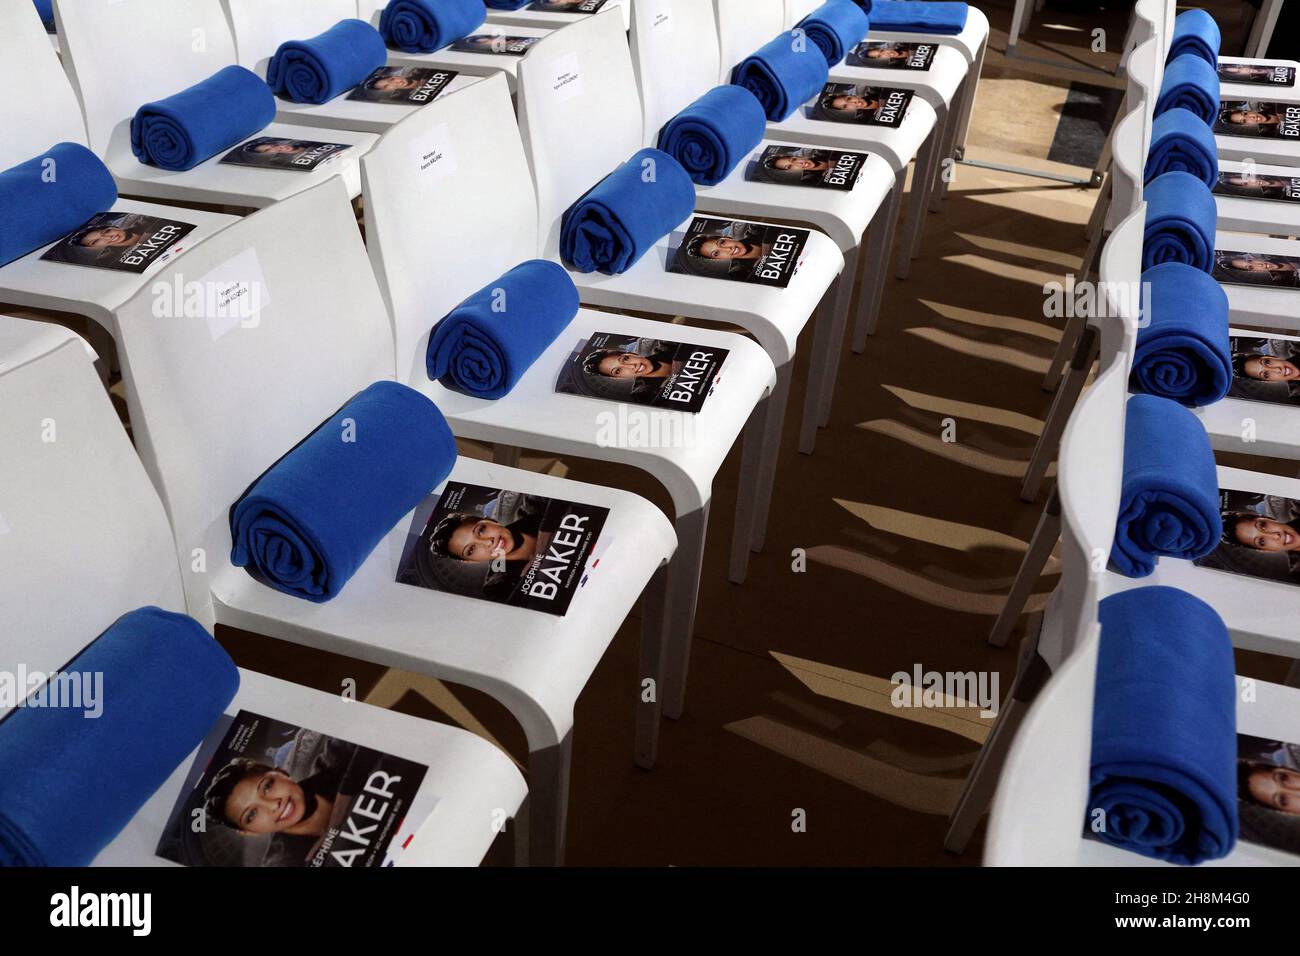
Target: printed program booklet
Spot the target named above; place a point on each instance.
(266, 793)
(860, 104)
(624, 368)
(495, 44)
(1259, 71)
(740, 251)
(806, 166)
(414, 85)
(507, 547)
(1265, 369)
(1258, 118)
(567, 6)
(1261, 537)
(275, 152)
(1259, 186)
(892, 55)
(123, 241)
(1268, 792)
(1256, 268)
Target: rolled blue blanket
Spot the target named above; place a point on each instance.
(71, 781)
(196, 124)
(422, 26)
(1195, 32)
(49, 196)
(836, 27)
(484, 345)
(1182, 348)
(45, 9)
(714, 133)
(782, 74)
(1164, 728)
(507, 4)
(1182, 142)
(1180, 222)
(319, 69)
(1191, 84)
(626, 213)
(311, 520)
(1169, 501)
(918, 16)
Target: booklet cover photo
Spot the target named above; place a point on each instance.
(276, 152)
(412, 85)
(740, 251)
(655, 372)
(807, 166)
(122, 241)
(265, 793)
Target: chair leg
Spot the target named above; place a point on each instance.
(751, 463)
(1062, 404)
(1101, 208)
(879, 241)
(922, 177)
(655, 637)
(941, 181)
(1046, 534)
(971, 88)
(1061, 357)
(548, 789)
(771, 452)
(519, 830)
(507, 455)
(1019, 20)
(849, 277)
(825, 359)
(682, 597)
(978, 790)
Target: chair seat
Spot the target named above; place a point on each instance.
(526, 17)
(937, 85)
(1274, 307)
(342, 113)
(474, 64)
(534, 415)
(213, 182)
(897, 146)
(515, 655)
(774, 316)
(468, 780)
(1271, 217)
(1258, 149)
(844, 216)
(969, 41)
(1260, 91)
(62, 287)
(1274, 714)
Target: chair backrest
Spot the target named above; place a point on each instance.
(369, 10)
(1119, 271)
(1165, 27)
(1128, 163)
(83, 536)
(579, 114)
(41, 109)
(1148, 18)
(124, 54)
(218, 394)
(743, 27)
(1145, 68)
(1040, 805)
(674, 46)
(796, 10)
(449, 207)
(260, 26)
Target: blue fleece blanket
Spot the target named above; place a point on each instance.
(1169, 501)
(836, 26)
(39, 208)
(507, 4)
(1195, 32)
(422, 26)
(714, 133)
(45, 9)
(783, 74)
(311, 520)
(1191, 84)
(626, 213)
(484, 345)
(1164, 728)
(918, 16)
(1182, 142)
(319, 69)
(70, 782)
(1180, 222)
(192, 126)
(1182, 345)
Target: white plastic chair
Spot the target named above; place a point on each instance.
(524, 17)
(604, 99)
(674, 49)
(45, 114)
(481, 233)
(260, 26)
(214, 404)
(187, 41)
(917, 136)
(88, 485)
